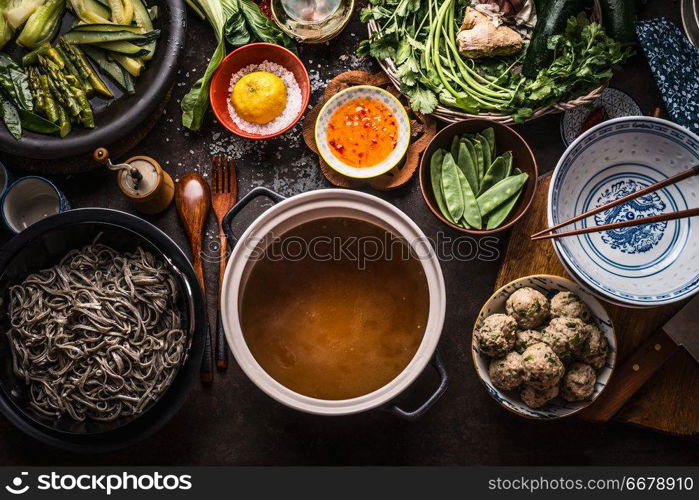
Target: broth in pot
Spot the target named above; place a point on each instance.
(335, 308)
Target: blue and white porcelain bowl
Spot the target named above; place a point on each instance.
(640, 266)
(548, 285)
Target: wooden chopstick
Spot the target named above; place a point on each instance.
(690, 172)
(682, 214)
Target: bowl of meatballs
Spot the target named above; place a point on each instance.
(543, 347)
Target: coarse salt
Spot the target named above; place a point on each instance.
(293, 99)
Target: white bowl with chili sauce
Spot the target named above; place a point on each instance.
(362, 132)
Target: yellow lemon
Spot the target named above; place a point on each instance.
(259, 97)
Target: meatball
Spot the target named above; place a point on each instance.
(578, 382)
(507, 373)
(536, 398)
(595, 348)
(565, 336)
(567, 304)
(496, 336)
(542, 368)
(525, 338)
(528, 307)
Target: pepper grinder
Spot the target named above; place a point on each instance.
(142, 180)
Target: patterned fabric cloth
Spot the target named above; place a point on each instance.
(674, 62)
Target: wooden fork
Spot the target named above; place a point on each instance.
(224, 194)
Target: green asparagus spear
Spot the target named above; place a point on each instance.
(87, 118)
(44, 50)
(64, 125)
(70, 68)
(35, 89)
(86, 70)
(60, 89)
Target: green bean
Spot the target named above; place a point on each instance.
(489, 135)
(498, 216)
(436, 180)
(496, 173)
(472, 214)
(487, 157)
(451, 187)
(467, 166)
(500, 192)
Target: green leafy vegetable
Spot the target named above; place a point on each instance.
(420, 38)
(15, 83)
(43, 24)
(10, 117)
(249, 19)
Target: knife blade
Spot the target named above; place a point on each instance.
(682, 330)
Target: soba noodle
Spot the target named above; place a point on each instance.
(98, 336)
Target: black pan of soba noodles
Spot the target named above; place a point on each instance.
(102, 326)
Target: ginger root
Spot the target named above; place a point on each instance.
(479, 37)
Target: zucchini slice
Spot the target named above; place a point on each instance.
(143, 21)
(133, 66)
(90, 11)
(90, 37)
(109, 66)
(107, 27)
(123, 48)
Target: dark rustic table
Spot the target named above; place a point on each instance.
(234, 423)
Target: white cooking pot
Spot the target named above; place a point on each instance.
(290, 213)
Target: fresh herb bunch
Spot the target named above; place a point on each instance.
(584, 56)
(420, 37)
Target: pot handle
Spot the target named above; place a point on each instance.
(438, 365)
(235, 209)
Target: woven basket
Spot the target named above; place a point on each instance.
(451, 115)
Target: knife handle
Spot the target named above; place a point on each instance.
(630, 376)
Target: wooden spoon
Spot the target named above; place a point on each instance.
(193, 201)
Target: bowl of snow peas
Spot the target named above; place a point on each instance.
(478, 176)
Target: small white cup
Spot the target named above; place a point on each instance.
(30, 199)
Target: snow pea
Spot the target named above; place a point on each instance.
(478, 149)
(455, 147)
(500, 192)
(436, 180)
(472, 214)
(469, 146)
(489, 134)
(496, 173)
(451, 187)
(487, 157)
(498, 216)
(507, 156)
(467, 166)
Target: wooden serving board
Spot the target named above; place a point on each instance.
(669, 401)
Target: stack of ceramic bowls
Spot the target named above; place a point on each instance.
(639, 266)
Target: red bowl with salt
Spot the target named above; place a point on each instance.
(255, 53)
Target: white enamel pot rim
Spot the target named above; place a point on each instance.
(291, 212)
